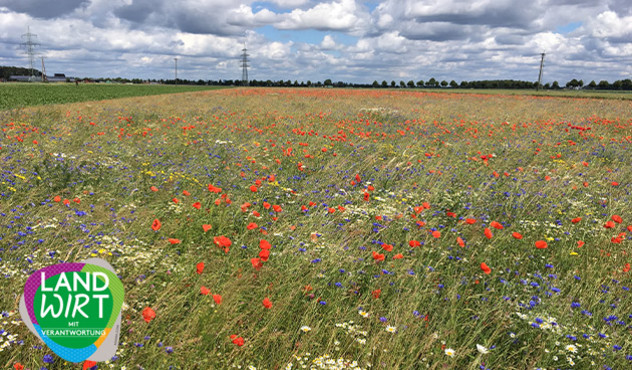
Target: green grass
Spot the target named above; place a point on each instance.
(516, 160)
(19, 95)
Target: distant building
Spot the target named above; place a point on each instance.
(24, 78)
(58, 77)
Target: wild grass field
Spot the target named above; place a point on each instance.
(320, 228)
(20, 95)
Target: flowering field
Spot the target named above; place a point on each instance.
(281, 228)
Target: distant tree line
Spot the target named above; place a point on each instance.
(6, 72)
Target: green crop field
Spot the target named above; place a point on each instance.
(18, 95)
(329, 228)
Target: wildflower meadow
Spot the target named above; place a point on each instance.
(330, 228)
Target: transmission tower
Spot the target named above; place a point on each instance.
(540, 75)
(244, 66)
(176, 79)
(29, 43)
(44, 79)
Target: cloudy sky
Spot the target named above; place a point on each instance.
(345, 40)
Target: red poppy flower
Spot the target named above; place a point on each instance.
(576, 220)
(470, 221)
(376, 293)
(256, 263)
(204, 290)
(214, 189)
(485, 268)
(264, 244)
(460, 241)
(516, 235)
(496, 225)
(185, 193)
(266, 303)
(277, 208)
(609, 225)
(398, 256)
(387, 247)
(378, 257)
(148, 314)
(217, 298)
(174, 241)
(156, 225)
(222, 242)
(57, 198)
(617, 219)
(87, 364)
(541, 244)
(206, 227)
(436, 234)
(253, 188)
(264, 254)
(580, 244)
(251, 226)
(626, 268)
(18, 366)
(199, 267)
(239, 341)
(197, 205)
(266, 205)
(488, 233)
(153, 188)
(414, 243)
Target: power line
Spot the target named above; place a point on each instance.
(176, 80)
(244, 66)
(30, 44)
(540, 75)
(44, 79)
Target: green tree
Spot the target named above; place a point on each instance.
(592, 84)
(411, 84)
(402, 84)
(375, 84)
(420, 83)
(444, 83)
(453, 84)
(327, 82)
(556, 85)
(384, 83)
(393, 84)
